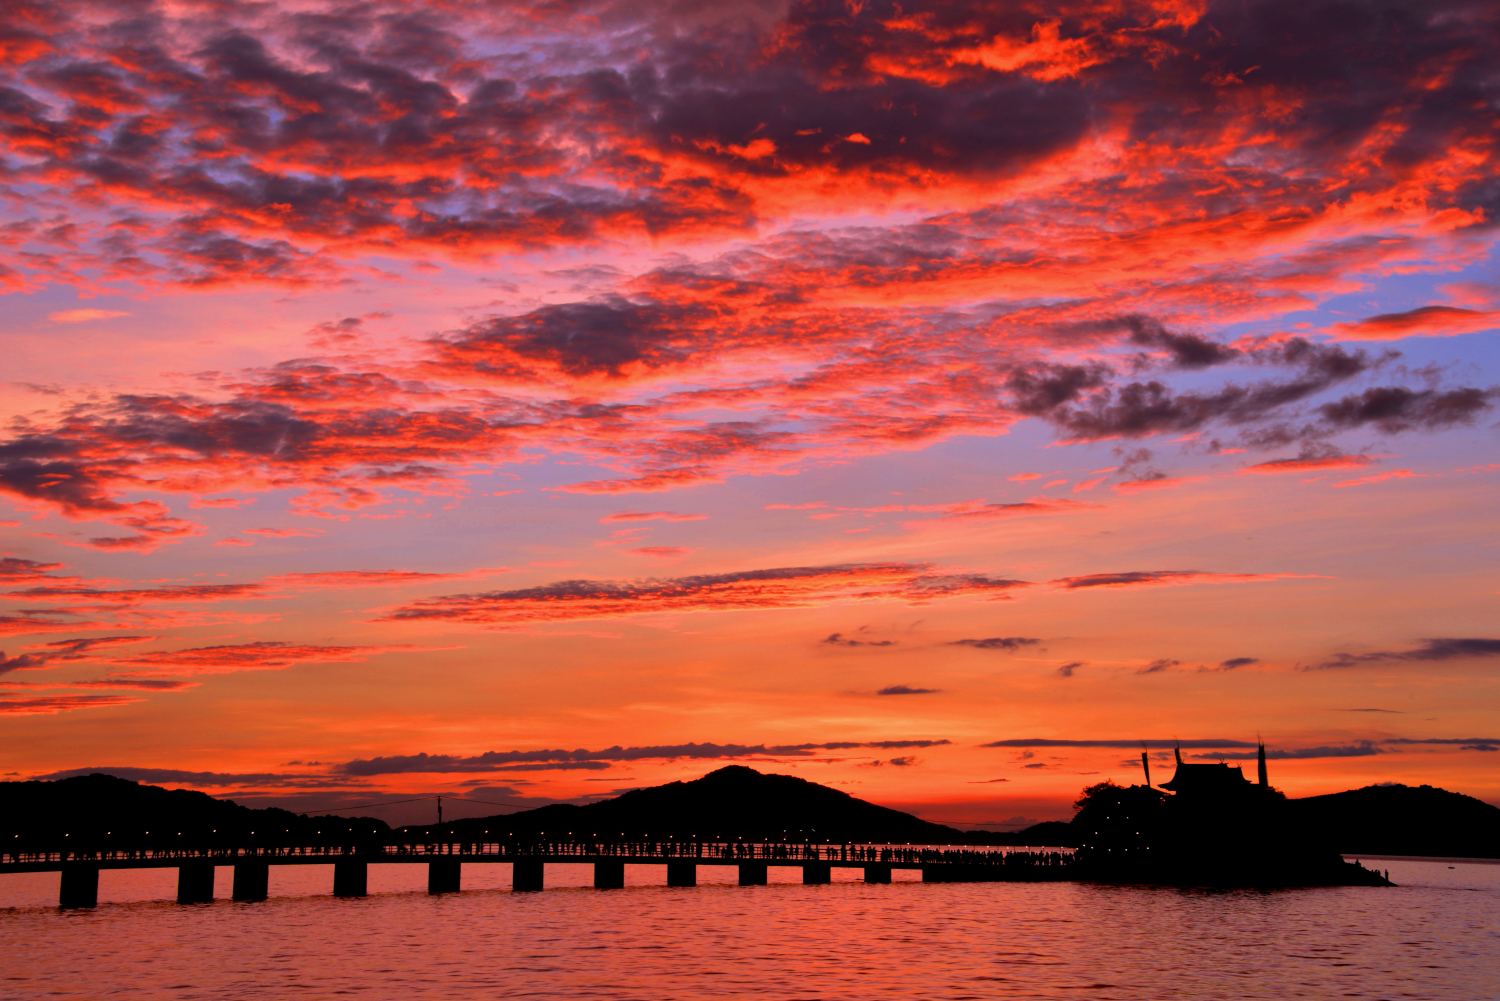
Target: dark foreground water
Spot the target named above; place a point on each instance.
(1435, 936)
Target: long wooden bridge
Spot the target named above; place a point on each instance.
(528, 860)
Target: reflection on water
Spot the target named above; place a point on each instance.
(1435, 936)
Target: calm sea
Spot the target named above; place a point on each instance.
(1435, 936)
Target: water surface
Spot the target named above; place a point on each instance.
(1435, 936)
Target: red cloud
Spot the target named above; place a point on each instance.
(651, 516)
(1424, 321)
(1312, 464)
(51, 705)
(99, 598)
(1392, 474)
(377, 578)
(287, 146)
(263, 656)
(1163, 483)
(789, 587)
(124, 684)
(14, 570)
(996, 512)
(283, 533)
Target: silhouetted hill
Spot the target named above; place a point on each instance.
(732, 803)
(94, 808)
(1402, 820)
(1050, 833)
(1376, 820)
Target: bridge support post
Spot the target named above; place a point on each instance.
(351, 879)
(195, 883)
(682, 874)
(444, 875)
(877, 874)
(526, 874)
(752, 874)
(817, 872)
(609, 875)
(80, 887)
(934, 874)
(252, 881)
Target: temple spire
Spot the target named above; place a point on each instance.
(1260, 758)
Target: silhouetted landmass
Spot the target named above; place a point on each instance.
(100, 809)
(1402, 820)
(1388, 819)
(731, 803)
(1053, 833)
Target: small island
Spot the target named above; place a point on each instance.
(1212, 827)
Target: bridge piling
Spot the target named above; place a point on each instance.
(80, 887)
(817, 872)
(682, 874)
(350, 879)
(877, 874)
(526, 874)
(195, 883)
(444, 875)
(252, 881)
(752, 874)
(608, 875)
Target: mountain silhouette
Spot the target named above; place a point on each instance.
(102, 809)
(1402, 820)
(731, 803)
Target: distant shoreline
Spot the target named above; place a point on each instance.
(1421, 858)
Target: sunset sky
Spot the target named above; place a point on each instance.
(530, 401)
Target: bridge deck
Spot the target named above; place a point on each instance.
(648, 853)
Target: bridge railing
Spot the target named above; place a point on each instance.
(786, 853)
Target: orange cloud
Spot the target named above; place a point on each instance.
(787, 587)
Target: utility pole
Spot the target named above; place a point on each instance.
(440, 810)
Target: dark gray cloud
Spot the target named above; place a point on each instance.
(839, 639)
(492, 761)
(1394, 409)
(1084, 405)
(156, 776)
(1010, 644)
(906, 690)
(1439, 649)
(1157, 666)
(1358, 749)
(1128, 577)
(1067, 670)
(1236, 662)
